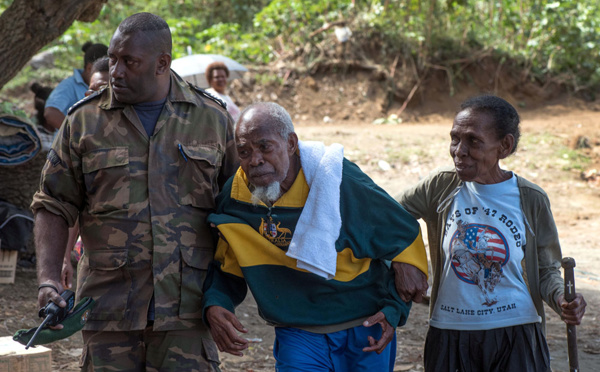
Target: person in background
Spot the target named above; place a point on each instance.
(73, 88)
(100, 76)
(216, 75)
(138, 166)
(494, 250)
(311, 235)
(41, 94)
(99, 79)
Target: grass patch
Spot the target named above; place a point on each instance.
(573, 159)
(545, 151)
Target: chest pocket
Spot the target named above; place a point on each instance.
(107, 179)
(197, 184)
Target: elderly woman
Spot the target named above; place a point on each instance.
(494, 250)
(216, 76)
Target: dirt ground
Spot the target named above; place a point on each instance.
(396, 155)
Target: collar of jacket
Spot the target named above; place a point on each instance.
(295, 197)
(178, 92)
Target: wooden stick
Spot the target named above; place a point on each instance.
(568, 264)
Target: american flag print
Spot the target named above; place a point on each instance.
(475, 247)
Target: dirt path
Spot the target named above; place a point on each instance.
(396, 156)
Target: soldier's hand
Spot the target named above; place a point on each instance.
(387, 333)
(411, 283)
(50, 290)
(224, 327)
(572, 312)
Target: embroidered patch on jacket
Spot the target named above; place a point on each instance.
(53, 158)
(277, 235)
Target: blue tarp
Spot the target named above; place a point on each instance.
(19, 140)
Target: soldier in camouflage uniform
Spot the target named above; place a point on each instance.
(142, 193)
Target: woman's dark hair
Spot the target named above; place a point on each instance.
(212, 67)
(92, 52)
(504, 114)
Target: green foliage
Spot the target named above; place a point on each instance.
(268, 79)
(4, 4)
(294, 19)
(188, 21)
(548, 38)
(11, 109)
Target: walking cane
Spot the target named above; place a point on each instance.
(568, 264)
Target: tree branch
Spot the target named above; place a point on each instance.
(28, 25)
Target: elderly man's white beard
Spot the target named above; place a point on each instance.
(266, 194)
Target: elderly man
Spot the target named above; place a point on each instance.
(309, 233)
(139, 164)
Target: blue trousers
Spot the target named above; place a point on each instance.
(296, 350)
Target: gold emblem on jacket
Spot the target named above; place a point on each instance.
(279, 236)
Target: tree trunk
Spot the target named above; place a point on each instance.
(28, 25)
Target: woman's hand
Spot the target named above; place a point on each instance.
(572, 312)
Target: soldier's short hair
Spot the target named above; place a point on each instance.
(149, 23)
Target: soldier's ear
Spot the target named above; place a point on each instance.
(163, 65)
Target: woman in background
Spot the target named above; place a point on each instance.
(216, 75)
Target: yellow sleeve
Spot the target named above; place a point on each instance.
(415, 255)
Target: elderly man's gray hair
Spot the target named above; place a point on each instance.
(280, 118)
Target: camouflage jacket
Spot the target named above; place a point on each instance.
(142, 203)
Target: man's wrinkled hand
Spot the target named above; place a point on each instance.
(411, 283)
(387, 333)
(224, 328)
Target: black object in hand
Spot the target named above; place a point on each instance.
(54, 314)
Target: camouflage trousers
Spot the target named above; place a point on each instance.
(149, 351)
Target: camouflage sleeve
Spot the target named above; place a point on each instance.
(60, 189)
(230, 160)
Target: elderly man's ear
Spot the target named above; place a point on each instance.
(292, 144)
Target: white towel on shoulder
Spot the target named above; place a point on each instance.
(318, 227)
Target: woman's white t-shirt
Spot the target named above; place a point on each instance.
(232, 108)
(482, 285)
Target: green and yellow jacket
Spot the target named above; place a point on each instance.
(254, 239)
